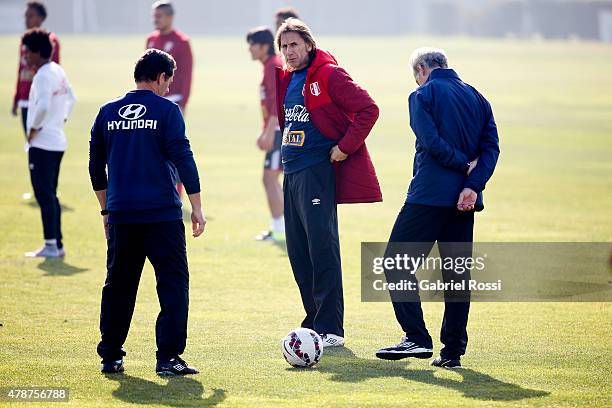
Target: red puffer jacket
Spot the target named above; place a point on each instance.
(342, 111)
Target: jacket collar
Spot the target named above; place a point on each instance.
(321, 58)
(442, 73)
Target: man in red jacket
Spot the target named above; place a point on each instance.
(325, 118)
(35, 15)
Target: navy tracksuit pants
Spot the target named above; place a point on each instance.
(425, 225)
(311, 230)
(129, 245)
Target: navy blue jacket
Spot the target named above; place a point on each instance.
(454, 125)
(141, 138)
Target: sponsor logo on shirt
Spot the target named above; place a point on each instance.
(298, 113)
(132, 113)
(294, 138)
(131, 124)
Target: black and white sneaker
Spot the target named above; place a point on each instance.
(446, 362)
(174, 366)
(331, 340)
(403, 350)
(112, 366)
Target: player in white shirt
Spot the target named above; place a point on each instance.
(50, 102)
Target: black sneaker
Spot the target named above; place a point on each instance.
(446, 362)
(403, 350)
(174, 366)
(112, 366)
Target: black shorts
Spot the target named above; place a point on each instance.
(273, 157)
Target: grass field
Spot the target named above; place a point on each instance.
(553, 105)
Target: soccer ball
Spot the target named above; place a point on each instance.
(302, 347)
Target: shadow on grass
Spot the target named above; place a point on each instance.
(33, 204)
(346, 367)
(57, 267)
(177, 392)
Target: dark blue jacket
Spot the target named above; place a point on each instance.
(141, 138)
(454, 125)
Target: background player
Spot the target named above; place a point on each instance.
(50, 102)
(261, 47)
(35, 15)
(175, 43)
(284, 13)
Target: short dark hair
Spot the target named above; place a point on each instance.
(164, 5)
(287, 12)
(262, 35)
(39, 7)
(37, 41)
(153, 63)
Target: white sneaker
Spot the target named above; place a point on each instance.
(331, 340)
(272, 236)
(47, 251)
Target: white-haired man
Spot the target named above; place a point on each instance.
(456, 152)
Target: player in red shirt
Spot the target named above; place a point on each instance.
(35, 15)
(261, 47)
(175, 43)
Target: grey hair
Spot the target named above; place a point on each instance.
(428, 57)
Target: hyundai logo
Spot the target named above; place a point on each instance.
(132, 111)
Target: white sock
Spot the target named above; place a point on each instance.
(51, 242)
(278, 224)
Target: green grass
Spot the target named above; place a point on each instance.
(553, 105)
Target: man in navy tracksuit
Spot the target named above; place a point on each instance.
(140, 137)
(456, 152)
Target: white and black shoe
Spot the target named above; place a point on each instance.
(174, 366)
(331, 340)
(404, 349)
(446, 362)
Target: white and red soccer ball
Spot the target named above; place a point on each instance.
(302, 347)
